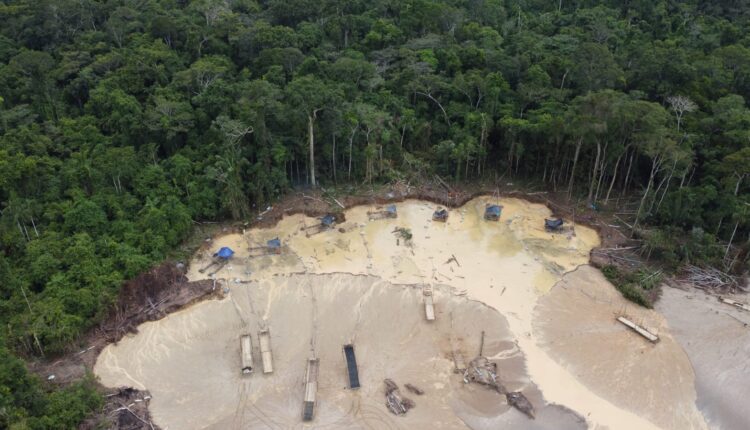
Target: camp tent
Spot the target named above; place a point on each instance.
(553, 223)
(224, 253)
(274, 243)
(440, 214)
(391, 210)
(328, 220)
(492, 212)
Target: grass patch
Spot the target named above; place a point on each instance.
(639, 286)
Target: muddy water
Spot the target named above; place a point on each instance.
(189, 358)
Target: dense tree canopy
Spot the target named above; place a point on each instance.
(122, 122)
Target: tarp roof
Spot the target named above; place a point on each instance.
(274, 243)
(493, 209)
(391, 209)
(224, 253)
(553, 223)
(328, 220)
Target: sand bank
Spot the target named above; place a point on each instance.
(576, 324)
(716, 338)
(507, 265)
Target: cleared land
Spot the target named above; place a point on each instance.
(361, 283)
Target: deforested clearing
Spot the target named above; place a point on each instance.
(548, 320)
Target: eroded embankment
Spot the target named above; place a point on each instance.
(508, 265)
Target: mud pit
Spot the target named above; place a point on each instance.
(363, 285)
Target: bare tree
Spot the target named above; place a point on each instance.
(681, 105)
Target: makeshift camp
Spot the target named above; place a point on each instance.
(553, 224)
(264, 339)
(220, 258)
(440, 214)
(326, 223)
(311, 389)
(246, 353)
(351, 366)
(272, 246)
(388, 212)
(492, 212)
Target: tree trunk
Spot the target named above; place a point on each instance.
(333, 156)
(627, 175)
(669, 180)
(310, 132)
(651, 177)
(593, 175)
(729, 245)
(614, 177)
(573, 169)
(351, 146)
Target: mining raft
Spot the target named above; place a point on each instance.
(492, 212)
(381, 213)
(219, 259)
(272, 247)
(311, 389)
(264, 339)
(440, 214)
(327, 222)
(246, 353)
(351, 366)
(553, 224)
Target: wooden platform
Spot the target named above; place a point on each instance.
(736, 304)
(638, 329)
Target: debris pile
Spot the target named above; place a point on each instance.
(709, 278)
(482, 371)
(414, 389)
(393, 401)
(520, 402)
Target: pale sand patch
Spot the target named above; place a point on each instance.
(576, 324)
(507, 264)
(190, 361)
(717, 341)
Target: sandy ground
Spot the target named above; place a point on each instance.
(576, 324)
(193, 358)
(716, 338)
(190, 358)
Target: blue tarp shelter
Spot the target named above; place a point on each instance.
(225, 253)
(391, 209)
(440, 214)
(328, 220)
(274, 243)
(553, 223)
(492, 212)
